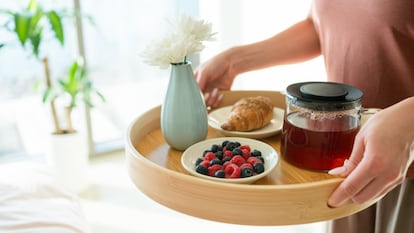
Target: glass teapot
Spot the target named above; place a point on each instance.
(320, 124)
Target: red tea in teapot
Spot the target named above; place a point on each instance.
(318, 144)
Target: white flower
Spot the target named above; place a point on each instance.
(186, 36)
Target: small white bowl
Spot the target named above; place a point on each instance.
(191, 154)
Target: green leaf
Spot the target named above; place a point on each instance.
(35, 19)
(22, 27)
(32, 5)
(72, 71)
(35, 39)
(56, 24)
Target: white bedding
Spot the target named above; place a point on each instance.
(32, 202)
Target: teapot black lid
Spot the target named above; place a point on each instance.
(324, 96)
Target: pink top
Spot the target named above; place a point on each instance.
(368, 44)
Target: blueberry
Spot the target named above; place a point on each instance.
(219, 155)
(256, 153)
(219, 174)
(202, 169)
(215, 148)
(231, 146)
(261, 158)
(246, 172)
(224, 143)
(215, 161)
(237, 151)
(258, 168)
(225, 159)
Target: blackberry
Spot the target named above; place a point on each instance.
(231, 146)
(215, 148)
(224, 143)
(258, 168)
(237, 151)
(246, 172)
(219, 174)
(202, 169)
(225, 159)
(215, 161)
(219, 154)
(256, 153)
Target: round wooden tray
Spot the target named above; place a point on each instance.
(288, 195)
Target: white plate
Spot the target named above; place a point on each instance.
(219, 116)
(191, 154)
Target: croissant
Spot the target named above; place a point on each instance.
(249, 113)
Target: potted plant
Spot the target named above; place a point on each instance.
(30, 25)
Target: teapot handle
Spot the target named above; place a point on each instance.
(366, 114)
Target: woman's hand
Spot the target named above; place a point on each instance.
(383, 152)
(213, 75)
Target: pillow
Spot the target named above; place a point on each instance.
(31, 201)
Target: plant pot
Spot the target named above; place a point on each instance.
(68, 158)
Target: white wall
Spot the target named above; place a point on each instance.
(243, 21)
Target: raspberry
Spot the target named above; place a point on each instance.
(205, 163)
(225, 164)
(248, 165)
(213, 169)
(210, 156)
(247, 147)
(238, 160)
(246, 153)
(252, 160)
(232, 171)
(228, 154)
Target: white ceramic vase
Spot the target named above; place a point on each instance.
(68, 160)
(183, 113)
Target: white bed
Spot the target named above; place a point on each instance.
(31, 201)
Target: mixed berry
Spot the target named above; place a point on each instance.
(230, 159)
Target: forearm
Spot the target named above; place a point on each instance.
(297, 43)
(403, 112)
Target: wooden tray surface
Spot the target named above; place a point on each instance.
(288, 195)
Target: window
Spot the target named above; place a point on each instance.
(114, 39)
